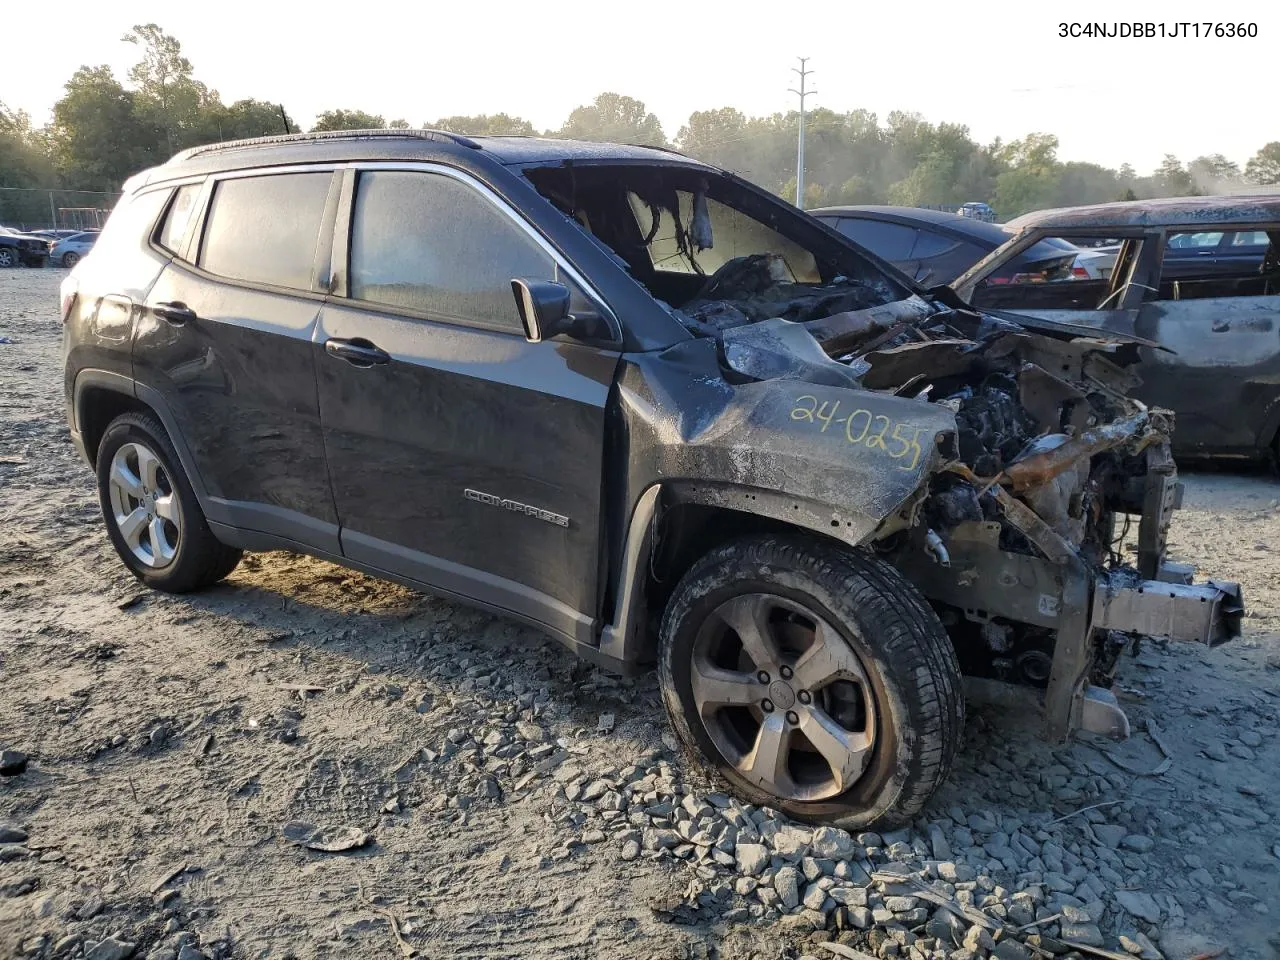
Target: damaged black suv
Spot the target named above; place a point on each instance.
(647, 407)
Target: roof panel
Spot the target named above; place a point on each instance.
(1163, 212)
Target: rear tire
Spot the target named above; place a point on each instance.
(8, 257)
(857, 707)
(70, 258)
(151, 512)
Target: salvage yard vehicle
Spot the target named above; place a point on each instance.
(935, 247)
(22, 249)
(647, 407)
(1198, 279)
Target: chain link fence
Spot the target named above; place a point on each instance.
(26, 209)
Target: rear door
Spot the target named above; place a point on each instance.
(461, 455)
(226, 341)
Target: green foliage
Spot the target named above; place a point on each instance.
(348, 120)
(22, 158)
(1172, 178)
(486, 125)
(103, 131)
(1264, 166)
(612, 117)
(99, 137)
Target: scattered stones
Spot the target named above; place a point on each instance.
(787, 884)
(325, 839)
(832, 844)
(12, 834)
(751, 858)
(630, 850)
(1109, 833)
(1139, 905)
(792, 841)
(1086, 933)
(110, 949)
(12, 762)
(606, 723)
(1216, 751)
(1138, 843)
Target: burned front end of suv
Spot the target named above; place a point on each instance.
(999, 465)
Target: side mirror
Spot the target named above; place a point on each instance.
(544, 308)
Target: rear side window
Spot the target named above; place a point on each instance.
(933, 244)
(888, 241)
(264, 229)
(432, 244)
(178, 217)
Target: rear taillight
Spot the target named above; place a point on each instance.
(1079, 273)
(70, 287)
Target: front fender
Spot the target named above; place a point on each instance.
(838, 460)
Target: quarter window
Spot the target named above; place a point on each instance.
(429, 243)
(264, 229)
(179, 215)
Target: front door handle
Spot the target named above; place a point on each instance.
(357, 351)
(175, 312)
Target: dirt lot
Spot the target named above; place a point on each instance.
(521, 804)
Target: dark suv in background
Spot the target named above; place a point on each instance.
(643, 405)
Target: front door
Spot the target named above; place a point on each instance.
(461, 455)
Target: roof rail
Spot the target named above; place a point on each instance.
(437, 135)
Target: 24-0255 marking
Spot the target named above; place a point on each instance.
(875, 431)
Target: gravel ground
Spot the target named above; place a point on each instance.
(490, 796)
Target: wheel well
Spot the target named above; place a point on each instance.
(97, 407)
(687, 531)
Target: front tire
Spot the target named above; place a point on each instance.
(151, 512)
(8, 257)
(813, 679)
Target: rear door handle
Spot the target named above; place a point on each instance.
(176, 313)
(357, 351)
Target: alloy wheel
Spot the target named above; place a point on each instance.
(144, 505)
(783, 697)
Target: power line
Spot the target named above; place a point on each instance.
(801, 93)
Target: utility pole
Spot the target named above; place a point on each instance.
(801, 93)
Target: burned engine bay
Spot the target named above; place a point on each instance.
(1019, 530)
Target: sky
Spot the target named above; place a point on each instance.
(999, 67)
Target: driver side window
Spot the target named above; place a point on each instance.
(433, 245)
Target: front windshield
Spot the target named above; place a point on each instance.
(717, 251)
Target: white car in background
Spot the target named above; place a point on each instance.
(1095, 263)
(68, 251)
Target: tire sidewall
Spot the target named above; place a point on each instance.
(130, 429)
(895, 754)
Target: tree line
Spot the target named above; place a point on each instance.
(103, 130)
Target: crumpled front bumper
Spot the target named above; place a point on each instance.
(1059, 591)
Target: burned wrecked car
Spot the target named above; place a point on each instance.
(1196, 277)
(649, 408)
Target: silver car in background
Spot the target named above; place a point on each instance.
(68, 251)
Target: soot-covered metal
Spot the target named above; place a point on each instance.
(997, 461)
